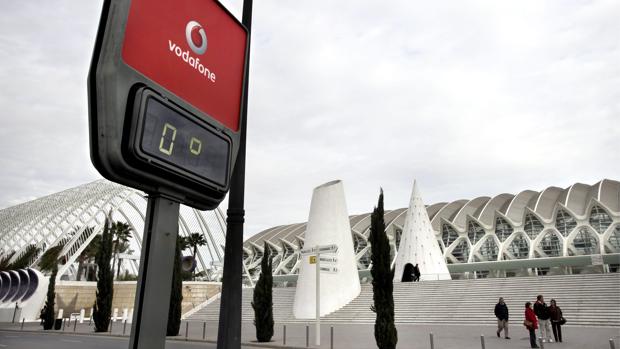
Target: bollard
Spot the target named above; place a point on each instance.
(124, 326)
(307, 336)
(64, 322)
(482, 341)
(186, 329)
(284, 335)
(111, 323)
(23, 319)
(75, 324)
(432, 341)
(331, 337)
(612, 345)
(541, 343)
(204, 330)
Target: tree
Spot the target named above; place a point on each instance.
(262, 302)
(83, 257)
(48, 308)
(26, 258)
(194, 240)
(105, 279)
(382, 286)
(176, 294)
(4, 260)
(121, 233)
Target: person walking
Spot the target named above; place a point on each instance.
(531, 323)
(555, 315)
(501, 313)
(542, 312)
(416, 273)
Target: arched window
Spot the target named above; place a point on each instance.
(474, 232)
(564, 222)
(551, 244)
(461, 251)
(488, 250)
(503, 229)
(448, 234)
(519, 247)
(614, 239)
(585, 242)
(599, 219)
(532, 226)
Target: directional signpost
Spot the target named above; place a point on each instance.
(167, 93)
(314, 257)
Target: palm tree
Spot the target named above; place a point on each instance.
(88, 255)
(83, 257)
(194, 240)
(121, 233)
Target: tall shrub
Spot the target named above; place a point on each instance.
(176, 294)
(262, 300)
(382, 286)
(48, 309)
(105, 277)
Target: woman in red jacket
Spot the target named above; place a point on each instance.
(531, 323)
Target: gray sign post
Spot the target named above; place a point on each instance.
(148, 329)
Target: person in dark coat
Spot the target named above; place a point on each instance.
(542, 312)
(408, 274)
(531, 323)
(555, 315)
(416, 273)
(501, 313)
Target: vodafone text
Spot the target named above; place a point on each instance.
(193, 62)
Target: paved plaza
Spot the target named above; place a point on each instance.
(345, 336)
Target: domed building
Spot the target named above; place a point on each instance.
(556, 230)
(75, 216)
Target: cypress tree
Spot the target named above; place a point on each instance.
(176, 296)
(262, 299)
(48, 310)
(382, 286)
(105, 285)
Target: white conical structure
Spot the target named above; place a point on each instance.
(328, 223)
(418, 244)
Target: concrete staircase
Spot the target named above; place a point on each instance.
(586, 300)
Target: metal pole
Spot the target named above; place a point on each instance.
(432, 341)
(124, 326)
(75, 324)
(331, 337)
(23, 319)
(64, 323)
(161, 227)
(111, 324)
(204, 330)
(482, 341)
(284, 335)
(186, 329)
(229, 329)
(612, 345)
(318, 298)
(307, 336)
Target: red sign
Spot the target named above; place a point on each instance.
(193, 48)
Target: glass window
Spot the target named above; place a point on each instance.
(503, 229)
(532, 226)
(564, 222)
(474, 232)
(585, 242)
(551, 244)
(364, 261)
(519, 247)
(489, 249)
(614, 238)
(398, 234)
(448, 234)
(461, 251)
(359, 243)
(599, 219)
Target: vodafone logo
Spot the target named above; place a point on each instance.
(196, 37)
(197, 41)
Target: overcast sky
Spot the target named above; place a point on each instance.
(471, 98)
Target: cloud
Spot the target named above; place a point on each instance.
(472, 98)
